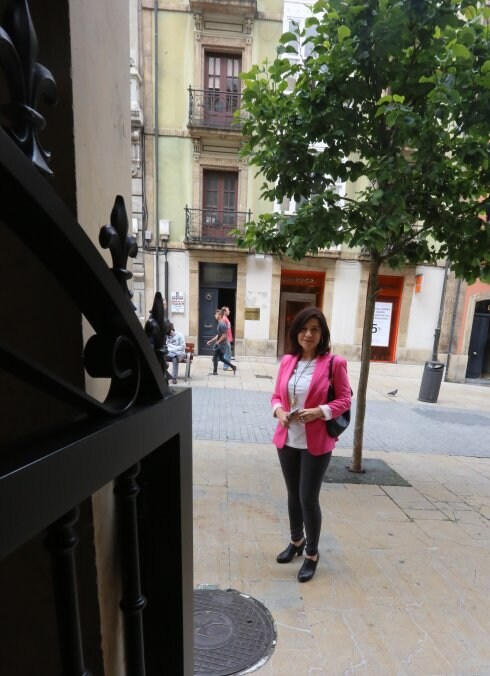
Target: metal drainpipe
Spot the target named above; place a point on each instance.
(437, 333)
(453, 323)
(155, 164)
(166, 280)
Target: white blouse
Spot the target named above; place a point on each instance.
(298, 387)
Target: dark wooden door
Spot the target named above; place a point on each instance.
(208, 303)
(478, 342)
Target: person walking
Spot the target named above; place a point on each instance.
(176, 350)
(304, 447)
(229, 334)
(220, 343)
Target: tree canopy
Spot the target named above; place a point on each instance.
(392, 97)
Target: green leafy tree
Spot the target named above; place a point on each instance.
(393, 98)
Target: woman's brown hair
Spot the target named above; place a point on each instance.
(297, 324)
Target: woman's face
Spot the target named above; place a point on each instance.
(309, 336)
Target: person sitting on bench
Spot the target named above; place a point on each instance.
(176, 350)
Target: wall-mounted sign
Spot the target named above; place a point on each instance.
(252, 313)
(177, 302)
(382, 324)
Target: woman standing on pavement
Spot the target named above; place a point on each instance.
(303, 444)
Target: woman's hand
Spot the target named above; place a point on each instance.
(307, 415)
(282, 416)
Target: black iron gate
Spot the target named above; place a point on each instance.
(58, 444)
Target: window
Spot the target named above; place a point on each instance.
(289, 206)
(295, 15)
(219, 203)
(222, 88)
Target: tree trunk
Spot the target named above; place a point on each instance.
(356, 465)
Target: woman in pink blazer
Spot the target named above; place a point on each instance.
(303, 444)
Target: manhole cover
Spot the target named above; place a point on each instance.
(232, 632)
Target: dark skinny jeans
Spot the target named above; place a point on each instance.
(218, 355)
(303, 474)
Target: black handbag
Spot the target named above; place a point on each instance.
(337, 425)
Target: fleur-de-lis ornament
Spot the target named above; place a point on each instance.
(121, 245)
(156, 329)
(28, 82)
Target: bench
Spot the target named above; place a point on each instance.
(187, 360)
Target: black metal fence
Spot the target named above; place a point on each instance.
(214, 225)
(214, 108)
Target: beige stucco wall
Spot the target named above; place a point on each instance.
(100, 72)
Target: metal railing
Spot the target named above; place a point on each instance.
(213, 225)
(213, 108)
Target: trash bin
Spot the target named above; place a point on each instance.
(431, 381)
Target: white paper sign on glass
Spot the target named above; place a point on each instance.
(382, 324)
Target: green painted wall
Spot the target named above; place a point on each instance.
(175, 70)
(175, 182)
(266, 39)
(176, 73)
(177, 50)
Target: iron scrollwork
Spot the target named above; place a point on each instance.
(121, 245)
(106, 356)
(117, 350)
(28, 82)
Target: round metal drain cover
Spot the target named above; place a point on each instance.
(232, 632)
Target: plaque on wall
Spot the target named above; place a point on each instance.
(252, 313)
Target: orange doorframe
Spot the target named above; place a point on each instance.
(390, 291)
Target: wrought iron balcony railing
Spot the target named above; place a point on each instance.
(214, 225)
(214, 108)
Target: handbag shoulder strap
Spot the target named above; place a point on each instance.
(330, 375)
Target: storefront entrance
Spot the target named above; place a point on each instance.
(291, 304)
(299, 289)
(386, 318)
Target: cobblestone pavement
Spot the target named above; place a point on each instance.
(245, 415)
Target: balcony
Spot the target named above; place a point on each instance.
(214, 109)
(213, 225)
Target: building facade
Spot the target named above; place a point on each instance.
(195, 190)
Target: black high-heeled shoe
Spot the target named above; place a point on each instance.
(234, 369)
(308, 569)
(290, 552)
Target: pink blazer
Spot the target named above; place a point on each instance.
(317, 438)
